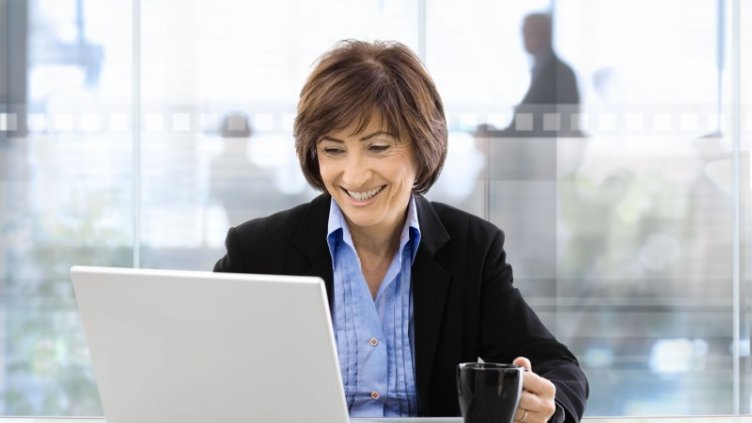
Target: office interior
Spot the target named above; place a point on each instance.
(134, 133)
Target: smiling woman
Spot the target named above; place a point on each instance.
(373, 174)
(415, 287)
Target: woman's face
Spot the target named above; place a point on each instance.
(370, 174)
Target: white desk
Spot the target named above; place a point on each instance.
(698, 419)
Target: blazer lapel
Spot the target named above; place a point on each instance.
(310, 241)
(430, 286)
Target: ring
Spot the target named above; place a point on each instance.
(524, 416)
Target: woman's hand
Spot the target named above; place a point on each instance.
(537, 402)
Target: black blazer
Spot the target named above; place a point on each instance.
(465, 306)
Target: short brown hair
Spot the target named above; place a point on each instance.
(357, 78)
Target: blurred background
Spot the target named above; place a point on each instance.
(136, 133)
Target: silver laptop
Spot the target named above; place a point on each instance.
(180, 346)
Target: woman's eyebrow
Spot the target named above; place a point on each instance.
(328, 138)
(363, 138)
(375, 134)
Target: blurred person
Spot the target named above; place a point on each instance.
(553, 86)
(242, 188)
(415, 287)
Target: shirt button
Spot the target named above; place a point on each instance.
(375, 395)
(374, 342)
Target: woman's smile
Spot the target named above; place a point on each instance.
(364, 196)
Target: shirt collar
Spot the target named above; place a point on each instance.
(337, 224)
(410, 232)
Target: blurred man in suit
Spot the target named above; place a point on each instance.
(527, 159)
(552, 98)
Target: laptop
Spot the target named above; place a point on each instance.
(185, 346)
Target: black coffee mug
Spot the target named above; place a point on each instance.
(489, 392)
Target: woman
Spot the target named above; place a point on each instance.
(415, 287)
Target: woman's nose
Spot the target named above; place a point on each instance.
(356, 172)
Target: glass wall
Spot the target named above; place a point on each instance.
(65, 190)
(137, 139)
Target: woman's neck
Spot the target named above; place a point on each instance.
(377, 240)
(376, 247)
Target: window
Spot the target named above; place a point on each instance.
(631, 239)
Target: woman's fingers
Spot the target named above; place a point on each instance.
(523, 362)
(538, 393)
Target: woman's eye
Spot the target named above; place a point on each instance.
(378, 148)
(332, 151)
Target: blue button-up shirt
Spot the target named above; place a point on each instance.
(375, 337)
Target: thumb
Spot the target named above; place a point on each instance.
(524, 362)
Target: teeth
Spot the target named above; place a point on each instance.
(362, 196)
